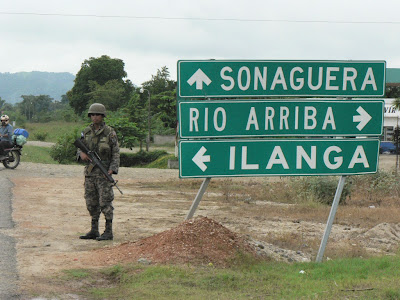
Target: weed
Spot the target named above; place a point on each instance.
(76, 273)
(114, 273)
(323, 189)
(243, 261)
(351, 249)
(40, 136)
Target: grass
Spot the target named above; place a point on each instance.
(374, 278)
(52, 130)
(76, 274)
(161, 162)
(37, 154)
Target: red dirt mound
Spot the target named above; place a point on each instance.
(197, 241)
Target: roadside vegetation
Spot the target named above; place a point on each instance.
(52, 131)
(374, 278)
(62, 134)
(36, 154)
(157, 157)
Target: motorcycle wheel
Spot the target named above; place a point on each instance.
(12, 160)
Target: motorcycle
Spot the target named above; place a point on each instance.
(12, 156)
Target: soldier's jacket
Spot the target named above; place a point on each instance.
(105, 143)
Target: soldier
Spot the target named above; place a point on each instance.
(102, 139)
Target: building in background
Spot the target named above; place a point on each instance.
(391, 113)
(391, 120)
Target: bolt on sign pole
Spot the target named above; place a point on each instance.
(197, 200)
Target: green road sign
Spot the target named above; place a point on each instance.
(278, 157)
(260, 78)
(258, 118)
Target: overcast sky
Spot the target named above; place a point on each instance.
(57, 36)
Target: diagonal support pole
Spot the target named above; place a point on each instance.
(331, 218)
(197, 200)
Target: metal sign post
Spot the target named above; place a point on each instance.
(198, 198)
(331, 218)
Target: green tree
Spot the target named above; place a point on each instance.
(64, 99)
(43, 103)
(136, 112)
(158, 84)
(112, 94)
(99, 70)
(32, 107)
(127, 132)
(167, 109)
(7, 106)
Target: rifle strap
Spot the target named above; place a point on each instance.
(90, 168)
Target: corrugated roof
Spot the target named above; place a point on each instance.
(392, 75)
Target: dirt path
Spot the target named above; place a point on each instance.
(50, 214)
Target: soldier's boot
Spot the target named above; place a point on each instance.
(93, 233)
(107, 235)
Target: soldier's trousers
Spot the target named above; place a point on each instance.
(99, 196)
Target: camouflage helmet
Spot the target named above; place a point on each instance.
(97, 108)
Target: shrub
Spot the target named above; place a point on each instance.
(161, 162)
(378, 186)
(40, 136)
(140, 158)
(64, 151)
(323, 189)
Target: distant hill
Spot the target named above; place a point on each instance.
(13, 85)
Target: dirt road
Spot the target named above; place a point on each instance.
(49, 214)
(8, 264)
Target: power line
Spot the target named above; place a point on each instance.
(197, 18)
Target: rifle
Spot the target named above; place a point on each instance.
(95, 159)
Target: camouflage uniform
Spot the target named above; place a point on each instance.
(98, 190)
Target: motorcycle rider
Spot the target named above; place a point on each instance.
(6, 132)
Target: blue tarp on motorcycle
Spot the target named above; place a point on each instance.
(21, 131)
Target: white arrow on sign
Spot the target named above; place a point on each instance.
(199, 159)
(363, 118)
(199, 77)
